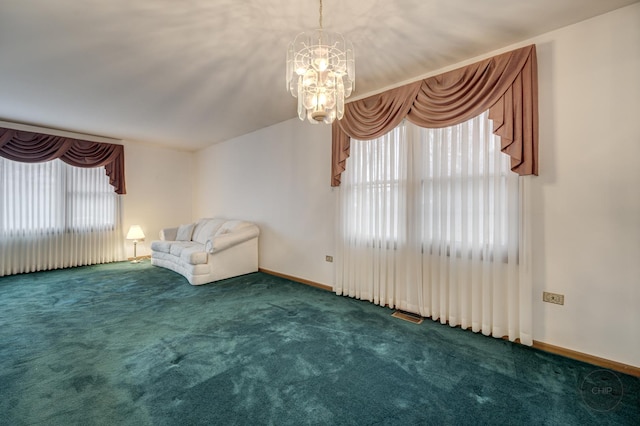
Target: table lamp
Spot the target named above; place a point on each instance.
(135, 233)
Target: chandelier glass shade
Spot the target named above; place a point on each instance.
(320, 73)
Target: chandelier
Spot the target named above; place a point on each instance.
(320, 73)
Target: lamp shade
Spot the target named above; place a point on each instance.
(135, 233)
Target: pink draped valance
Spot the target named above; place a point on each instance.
(506, 85)
(30, 147)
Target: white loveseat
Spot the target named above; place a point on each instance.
(209, 250)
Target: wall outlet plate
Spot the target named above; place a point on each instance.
(328, 258)
(556, 298)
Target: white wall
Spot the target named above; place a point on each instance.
(159, 190)
(278, 177)
(587, 198)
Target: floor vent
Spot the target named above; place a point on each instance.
(408, 316)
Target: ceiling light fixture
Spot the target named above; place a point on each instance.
(320, 73)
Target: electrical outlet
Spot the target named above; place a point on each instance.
(328, 258)
(556, 298)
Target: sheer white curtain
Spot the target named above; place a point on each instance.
(53, 215)
(432, 221)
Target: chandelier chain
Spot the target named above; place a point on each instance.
(320, 14)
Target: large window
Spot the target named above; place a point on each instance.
(55, 215)
(55, 197)
(450, 186)
(430, 222)
(374, 189)
(468, 195)
(443, 231)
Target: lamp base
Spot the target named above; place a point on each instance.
(135, 253)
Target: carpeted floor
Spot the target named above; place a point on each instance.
(137, 345)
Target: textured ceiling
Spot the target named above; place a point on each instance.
(192, 73)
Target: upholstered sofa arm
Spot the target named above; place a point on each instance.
(169, 234)
(225, 241)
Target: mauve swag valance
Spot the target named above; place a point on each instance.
(506, 85)
(30, 147)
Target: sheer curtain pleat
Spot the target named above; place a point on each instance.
(430, 221)
(53, 215)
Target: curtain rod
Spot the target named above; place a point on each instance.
(57, 132)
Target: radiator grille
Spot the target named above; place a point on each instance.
(408, 316)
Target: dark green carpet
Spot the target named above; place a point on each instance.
(136, 344)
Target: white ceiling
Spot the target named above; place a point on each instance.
(192, 73)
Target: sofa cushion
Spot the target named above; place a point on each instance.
(189, 252)
(161, 246)
(205, 229)
(185, 232)
(194, 255)
(178, 246)
(168, 234)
